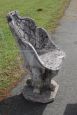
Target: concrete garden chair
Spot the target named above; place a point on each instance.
(41, 56)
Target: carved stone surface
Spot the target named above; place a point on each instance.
(41, 56)
(45, 97)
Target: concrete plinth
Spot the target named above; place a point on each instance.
(46, 96)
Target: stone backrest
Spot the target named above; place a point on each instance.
(43, 40)
(27, 29)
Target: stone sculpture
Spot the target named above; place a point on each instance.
(42, 58)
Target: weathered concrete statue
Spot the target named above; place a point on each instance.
(41, 57)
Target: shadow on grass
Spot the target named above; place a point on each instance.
(17, 105)
(71, 109)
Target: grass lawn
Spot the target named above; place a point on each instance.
(10, 62)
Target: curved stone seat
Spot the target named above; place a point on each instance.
(41, 56)
(53, 60)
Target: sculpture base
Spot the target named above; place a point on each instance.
(45, 97)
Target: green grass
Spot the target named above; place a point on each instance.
(10, 64)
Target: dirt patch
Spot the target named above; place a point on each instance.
(39, 9)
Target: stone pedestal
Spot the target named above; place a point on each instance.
(45, 96)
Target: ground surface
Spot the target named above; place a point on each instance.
(46, 14)
(66, 100)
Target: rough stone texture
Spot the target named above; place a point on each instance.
(41, 56)
(66, 99)
(53, 60)
(45, 97)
